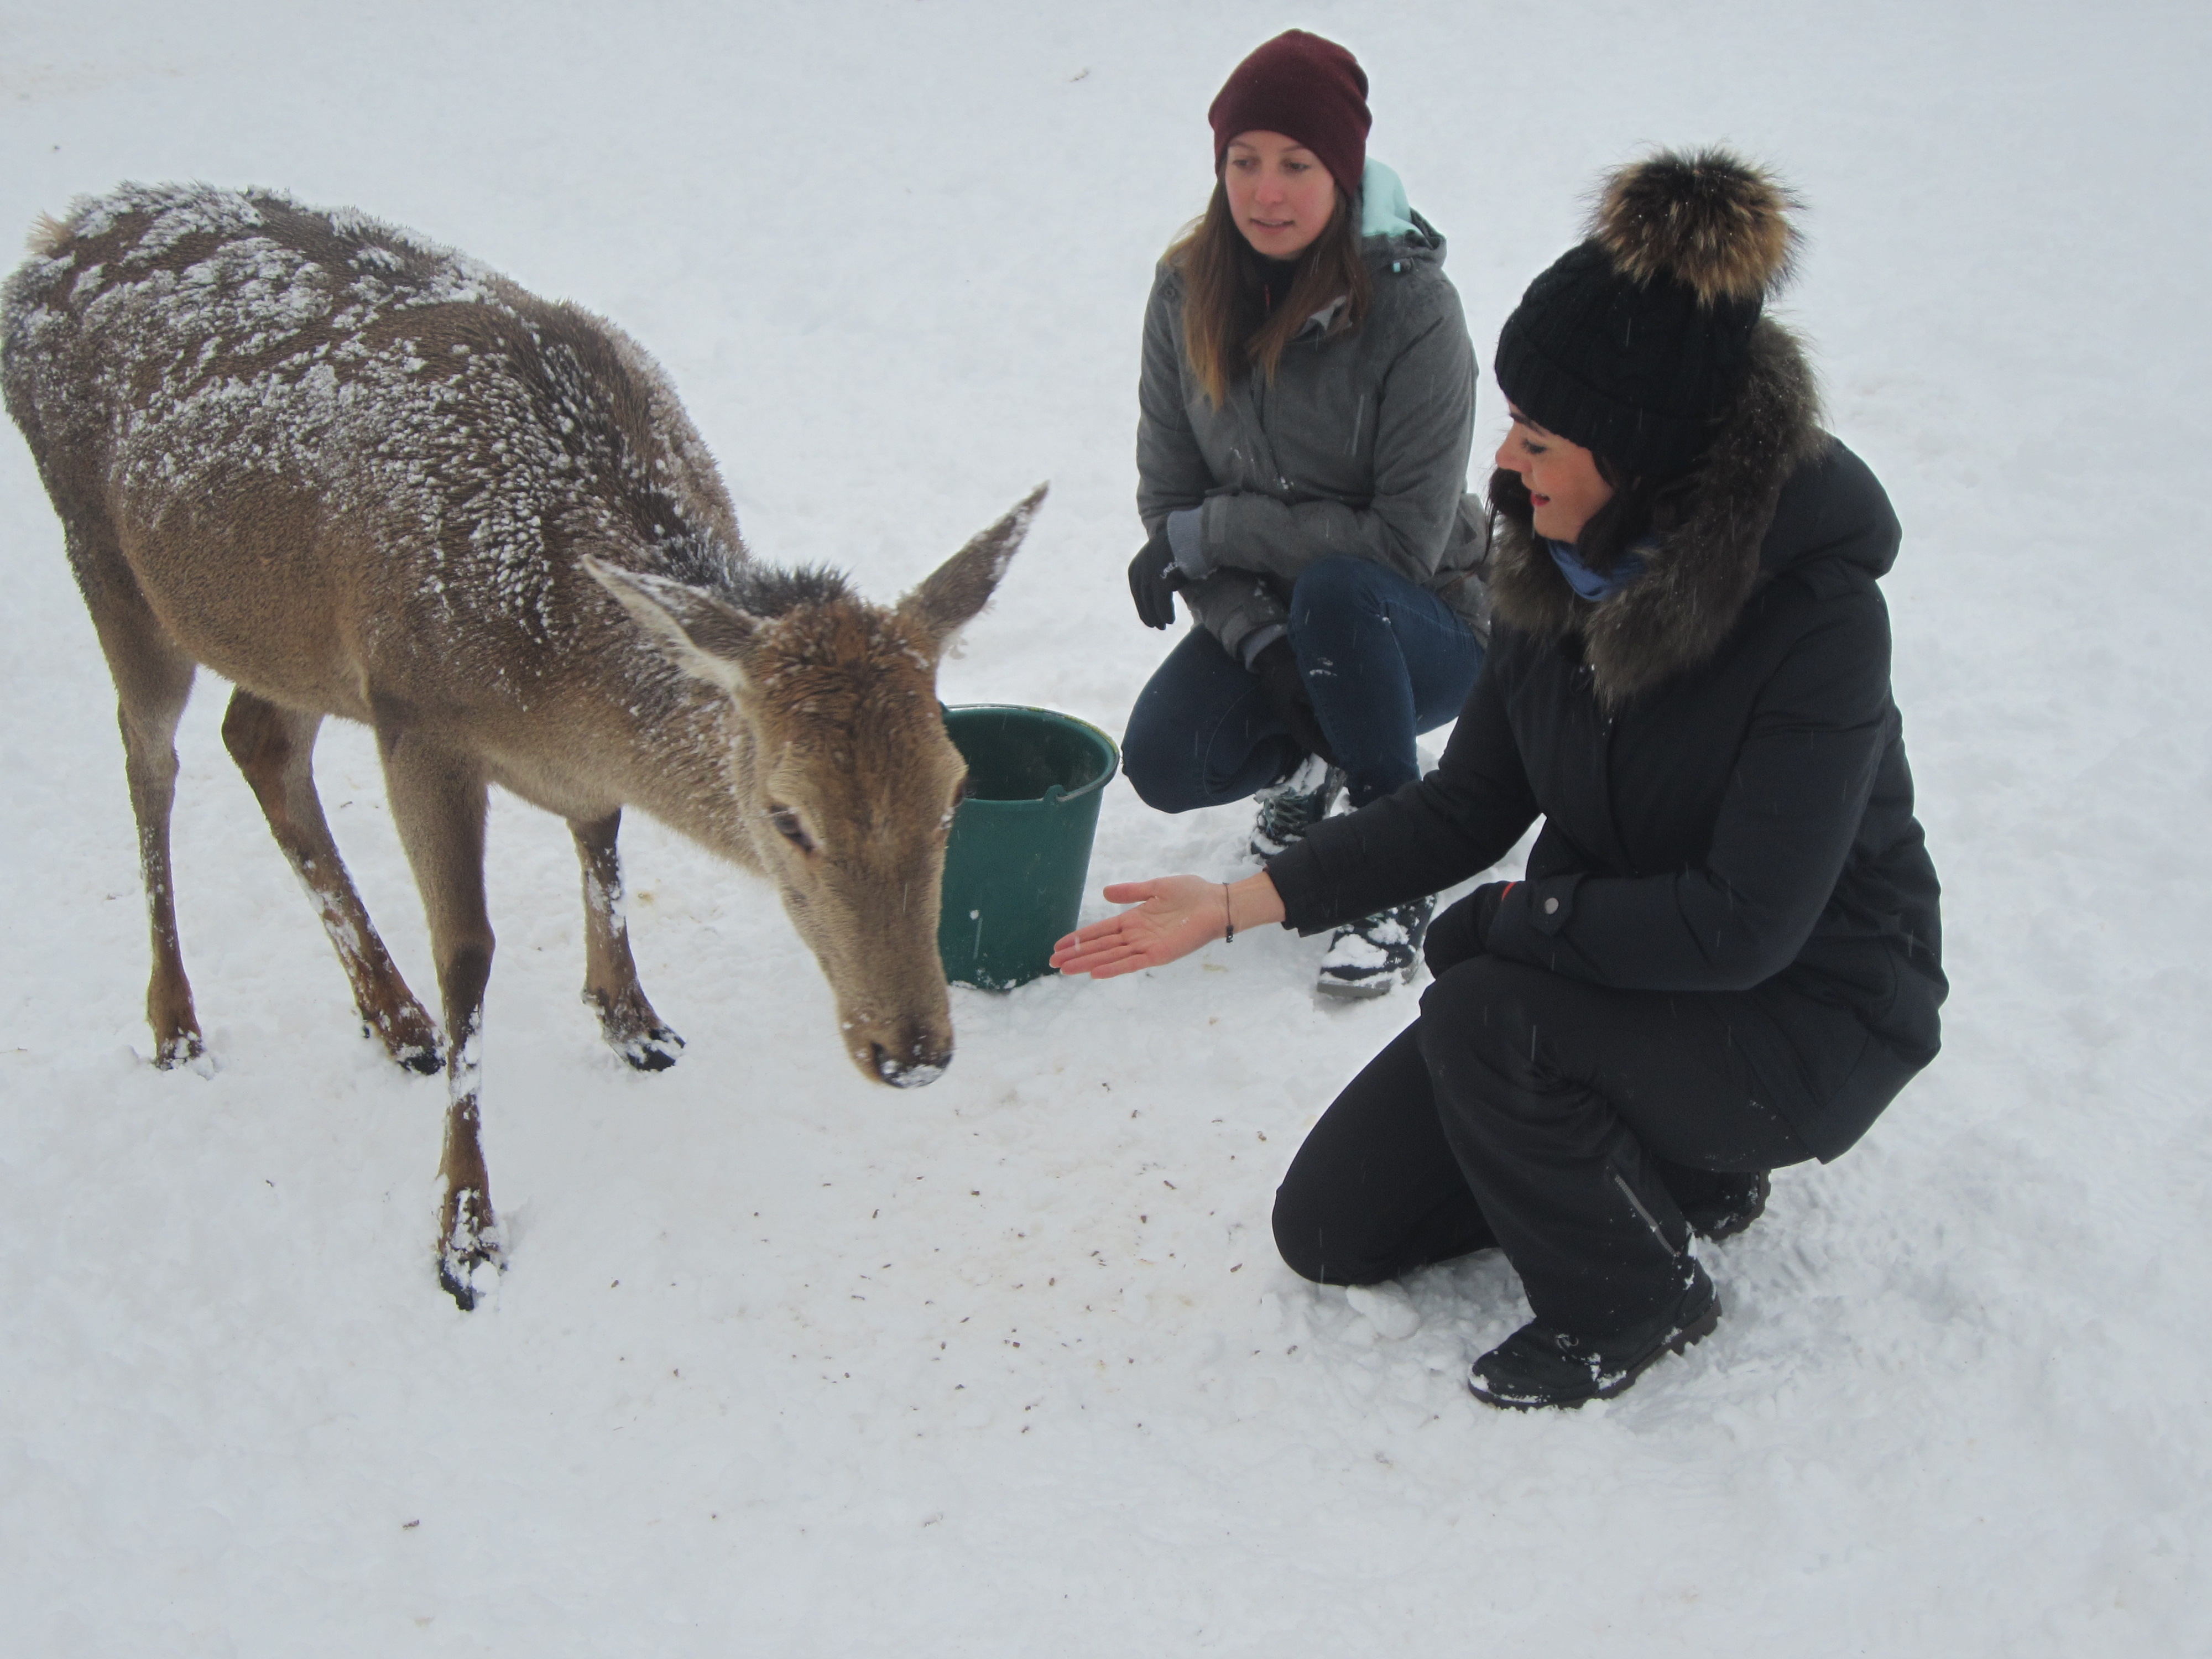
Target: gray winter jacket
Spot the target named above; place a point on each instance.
(1360, 446)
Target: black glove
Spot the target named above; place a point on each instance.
(1154, 576)
(1463, 931)
(1284, 687)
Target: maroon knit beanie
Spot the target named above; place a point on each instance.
(1306, 88)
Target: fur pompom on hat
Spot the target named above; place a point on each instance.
(1307, 89)
(1707, 221)
(1635, 343)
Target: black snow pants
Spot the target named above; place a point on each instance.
(1562, 1122)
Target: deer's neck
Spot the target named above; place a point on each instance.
(668, 745)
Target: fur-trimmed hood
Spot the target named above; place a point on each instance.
(1697, 580)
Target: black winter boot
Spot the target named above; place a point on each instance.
(1289, 809)
(1366, 958)
(1736, 1202)
(1540, 1364)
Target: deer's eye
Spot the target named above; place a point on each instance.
(788, 826)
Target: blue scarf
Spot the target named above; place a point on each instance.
(1586, 581)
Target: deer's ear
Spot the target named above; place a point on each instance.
(951, 596)
(703, 636)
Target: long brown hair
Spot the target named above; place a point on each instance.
(1215, 259)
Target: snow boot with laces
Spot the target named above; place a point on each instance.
(1366, 958)
(1289, 809)
(1540, 1364)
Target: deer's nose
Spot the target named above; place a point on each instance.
(913, 1065)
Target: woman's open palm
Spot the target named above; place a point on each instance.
(1175, 915)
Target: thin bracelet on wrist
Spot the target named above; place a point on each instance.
(1228, 915)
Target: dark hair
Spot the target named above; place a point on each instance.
(1642, 505)
(1219, 336)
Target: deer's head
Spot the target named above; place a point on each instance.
(852, 782)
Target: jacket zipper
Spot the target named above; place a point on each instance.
(1649, 1220)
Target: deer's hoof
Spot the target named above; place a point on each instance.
(180, 1048)
(633, 1031)
(655, 1050)
(470, 1261)
(424, 1059)
(468, 1275)
(411, 1037)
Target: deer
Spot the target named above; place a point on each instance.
(359, 475)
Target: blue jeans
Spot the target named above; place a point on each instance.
(1382, 660)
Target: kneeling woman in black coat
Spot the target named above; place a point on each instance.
(1725, 955)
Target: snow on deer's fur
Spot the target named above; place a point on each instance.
(358, 474)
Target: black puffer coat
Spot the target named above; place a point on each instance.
(1720, 768)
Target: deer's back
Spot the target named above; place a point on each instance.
(340, 463)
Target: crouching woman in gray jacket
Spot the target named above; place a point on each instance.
(1307, 413)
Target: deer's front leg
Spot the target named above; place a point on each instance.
(610, 986)
(469, 1258)
(275, 748)
(438, 802)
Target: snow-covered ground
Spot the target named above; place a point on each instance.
(787, 1364)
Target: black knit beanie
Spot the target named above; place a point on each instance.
(1635, 343)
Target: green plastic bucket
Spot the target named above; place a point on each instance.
(1020, 847)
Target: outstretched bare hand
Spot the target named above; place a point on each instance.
(1175, 915)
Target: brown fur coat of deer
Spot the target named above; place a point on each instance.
(355, 474)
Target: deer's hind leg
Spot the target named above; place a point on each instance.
(275, 748)
(152, 681)
(438, 801)
(610, 987)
